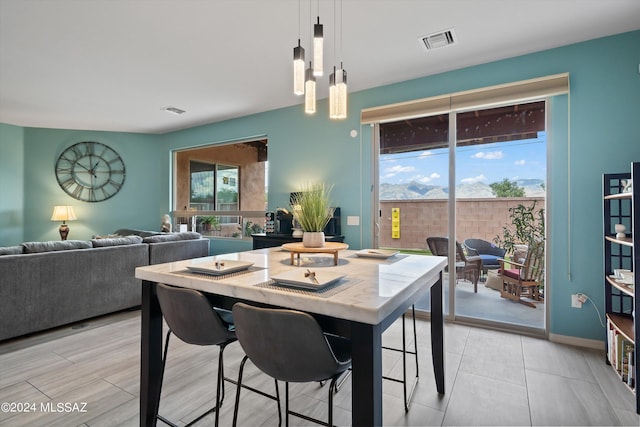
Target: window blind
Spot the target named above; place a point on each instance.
(472, 99)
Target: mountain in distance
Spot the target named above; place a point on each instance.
(415, 190)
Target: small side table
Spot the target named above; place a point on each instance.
(328, 248)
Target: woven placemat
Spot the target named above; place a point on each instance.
(221, 276)
(327, 292)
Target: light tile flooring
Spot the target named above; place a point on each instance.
(492, 378)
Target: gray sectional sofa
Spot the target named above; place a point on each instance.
(49, 284)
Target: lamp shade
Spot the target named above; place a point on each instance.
(63, 213)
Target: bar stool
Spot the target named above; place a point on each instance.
(408, 395)
(289, 346)
(191, 318)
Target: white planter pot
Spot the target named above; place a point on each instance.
(313, 239)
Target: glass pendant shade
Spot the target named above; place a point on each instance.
(341, 93)
(310, 92)
(333, 96)
(298, 69)
(318, 46)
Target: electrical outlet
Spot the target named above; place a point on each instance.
(575, 301)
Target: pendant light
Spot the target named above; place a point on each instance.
(310, 91)
(318, 46)
(298, 69)
(338, 83)
(341, 93)
(333, 101)
(298, 63)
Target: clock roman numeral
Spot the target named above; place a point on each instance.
(67, 183)
(76, 151)
(90, 148)
(77, 192)
(64, 157)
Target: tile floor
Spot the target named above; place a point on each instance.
(493, 378)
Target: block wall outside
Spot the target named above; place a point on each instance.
(419, 219)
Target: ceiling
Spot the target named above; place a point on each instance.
(113, 65)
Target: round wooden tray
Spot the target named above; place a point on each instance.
(298, 248)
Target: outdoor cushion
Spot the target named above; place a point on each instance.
(514, 273)
(489, 260)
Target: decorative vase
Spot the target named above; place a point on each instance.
(313, 239)
(620, 229)
(297, 232)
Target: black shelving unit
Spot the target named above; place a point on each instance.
(621, 297)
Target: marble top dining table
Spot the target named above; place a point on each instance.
(373, 293)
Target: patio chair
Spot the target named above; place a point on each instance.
(468, 267)
(526, 279)
(487, 251)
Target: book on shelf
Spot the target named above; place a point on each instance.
(627, 349)
(631, 379)
(619, 353)
(611, 335)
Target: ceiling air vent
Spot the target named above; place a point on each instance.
(439, 39)
(174, 110)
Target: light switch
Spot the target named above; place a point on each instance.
(353, 220)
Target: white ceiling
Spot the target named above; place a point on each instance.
(114, 64)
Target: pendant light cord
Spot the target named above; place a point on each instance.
(299, 19)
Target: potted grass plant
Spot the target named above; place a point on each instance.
(311, 207)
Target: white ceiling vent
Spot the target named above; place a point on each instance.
(439, 39)
(174, 110)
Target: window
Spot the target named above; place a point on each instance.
(214, 187)
(223, 185)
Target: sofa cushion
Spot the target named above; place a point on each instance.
(130, 231)
(172, 237)
(11, 250)
(63, 245)
(116, 241)
(106, 236)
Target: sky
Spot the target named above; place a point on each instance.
(486, 163)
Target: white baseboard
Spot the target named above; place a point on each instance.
(578, 342)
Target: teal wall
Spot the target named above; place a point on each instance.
(600, 114)
(12, 192)
(137, 205)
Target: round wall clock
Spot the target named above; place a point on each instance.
(90, 171)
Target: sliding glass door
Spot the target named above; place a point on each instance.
(463, 174)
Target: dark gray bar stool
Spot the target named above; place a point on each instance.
(289, 346)
(408, 394)
(191, 318)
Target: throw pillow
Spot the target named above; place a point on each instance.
(63, 245)
(106, 236)
(141, 233)
(11, 250)
(116, 241)
(172, 237)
